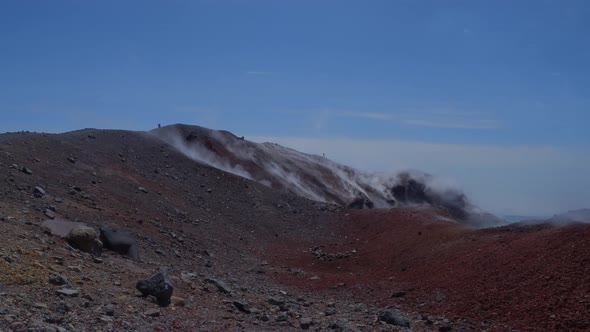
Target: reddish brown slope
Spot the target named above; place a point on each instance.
(533, 278)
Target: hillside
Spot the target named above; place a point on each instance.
(319, 178)
(243, 255)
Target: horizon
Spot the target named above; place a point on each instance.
(495, 100)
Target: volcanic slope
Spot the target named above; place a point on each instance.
(243, 256)
(319, 178)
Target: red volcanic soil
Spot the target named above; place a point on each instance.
(527, 277)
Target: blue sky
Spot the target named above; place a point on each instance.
(507, 75)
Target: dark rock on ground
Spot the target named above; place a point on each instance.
(394, 317)
(39, 192)
(305, 323)
(398, 294)
(158, 285)
(242, 306)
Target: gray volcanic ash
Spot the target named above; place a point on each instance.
(319, 178)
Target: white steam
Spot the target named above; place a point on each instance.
(310, 176)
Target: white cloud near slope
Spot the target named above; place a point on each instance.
(531, 180)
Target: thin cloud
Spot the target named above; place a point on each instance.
(453, 119)
(367, 115)
(478, 124)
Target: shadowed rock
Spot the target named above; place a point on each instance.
(120, 242)
(158, 286)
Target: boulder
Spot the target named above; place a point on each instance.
(120, 242)
(158, 286)
(85, 239)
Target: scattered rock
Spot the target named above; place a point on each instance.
(85, 239)
(178, 301)
(330, 311)
(49, 214)
(109, 310)
(120, 242)
(158, 285)
(242, 306)
(68, 292)
(153, 313)
(275, 301)
(394, 317)
(58, 279)
(341, 326)
(142, 189)
(221, 286)
(398, 294)
(40, 305)
(305, 323)
(26, 170)
(39, 192)
(72, 160)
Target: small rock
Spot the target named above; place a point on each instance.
(142, 189)
(26, 170)
(178, 301)
(275, 301)
(8, 259)
(153, 313)
(68, 292)
(330, 311)
(305, 323)
(314, 278)
(49, 214)
(39, 192)
(109, 310)
(342, 326)
(242, 306)
(221, 286)
(158, 285)
(97, 260)
(398, 294)
(40, 305)
(394, 317)
(72, 160)
(58, 279)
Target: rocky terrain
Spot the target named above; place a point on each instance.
(106, 230)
